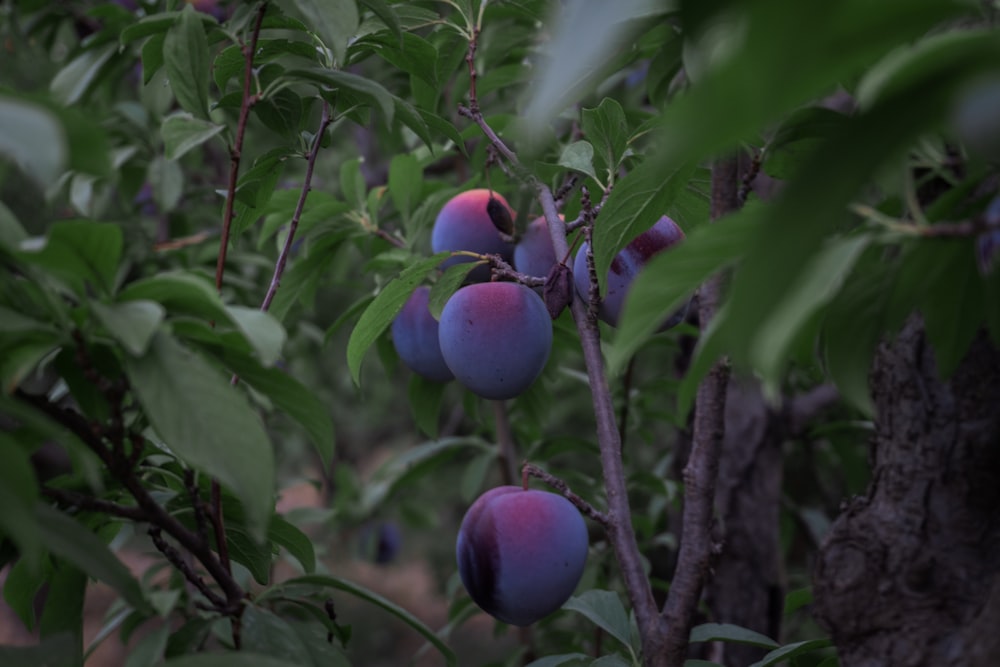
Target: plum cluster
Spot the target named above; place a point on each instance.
(521, 553)
(494, 338)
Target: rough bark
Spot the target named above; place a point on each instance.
(747, 586)
(909, 574)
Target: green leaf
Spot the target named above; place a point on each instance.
(449, 283)
(229, 659)
(20, 360)
(406, 180)
(791, 651)
(569, 71)
(605, 609)
(817, 285)
(263, 332)
(727, 632)
(75, 79)
(207, 424)
(33, 138)
(18, 495)
(636, 203)
(335, 21)
(70, 541)
(293, 398)
(20, 588)
(181, 132)
(253, 554)
(669, 278)
(385, 12)
(167, 179)
(795, 600)
(297, 543)
(255, 189)
(132, 323)
(187, 62)
(152, 57)
(380, 312)
(579, 156)
(607, 129)
(371, 92)
(337, 583)
(81, 253)
(180, 292)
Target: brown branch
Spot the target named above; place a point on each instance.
(279, 266)
(147, 509)
(505, 442)
(236, 153)
(177, 560)
(803, 408)
(701, 471)
(531, 470)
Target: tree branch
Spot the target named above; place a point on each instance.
(236, 153)
(702, 469)
(531, 470)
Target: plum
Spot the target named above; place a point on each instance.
(624, 268)
(495, 338)
(521, 553)
(464, 223)
(415, 336)
(534, 254)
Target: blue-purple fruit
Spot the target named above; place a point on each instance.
(495, 338)
(521, 553)
(415, 336)
(534, 254)
(464, 223)
(625, 266)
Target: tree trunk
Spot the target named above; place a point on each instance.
(747, 586)
(910, 573)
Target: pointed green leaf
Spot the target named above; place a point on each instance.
(669, 278)
(207, 423)
(605, 609)
(727, 632)
(18, 495)
(75, 79)
(187, 62)
(380, 312)
(297, 543)
(406, 180)
(167, 179)
(264, 333)
(790, 651)
(370, 91)
(69, 540)
(607, 129)
(636, 203)
(335, 21)
(180, 292)
(181, 132)
(290, 396)
(363, 593)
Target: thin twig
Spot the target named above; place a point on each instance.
(701, 471)
(236, 153)
(531, 470)
(505, 442)
(279, 266)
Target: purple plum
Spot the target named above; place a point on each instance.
(521, 553)
(533, 254)
(624, 268)
(415, 336)
(495, 338)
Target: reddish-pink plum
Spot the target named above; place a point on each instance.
(464, 224)
(415, 336)
(495, 338)
(521, 553)
(625, 266)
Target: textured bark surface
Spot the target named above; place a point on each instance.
(747, 588)
(910, 573)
